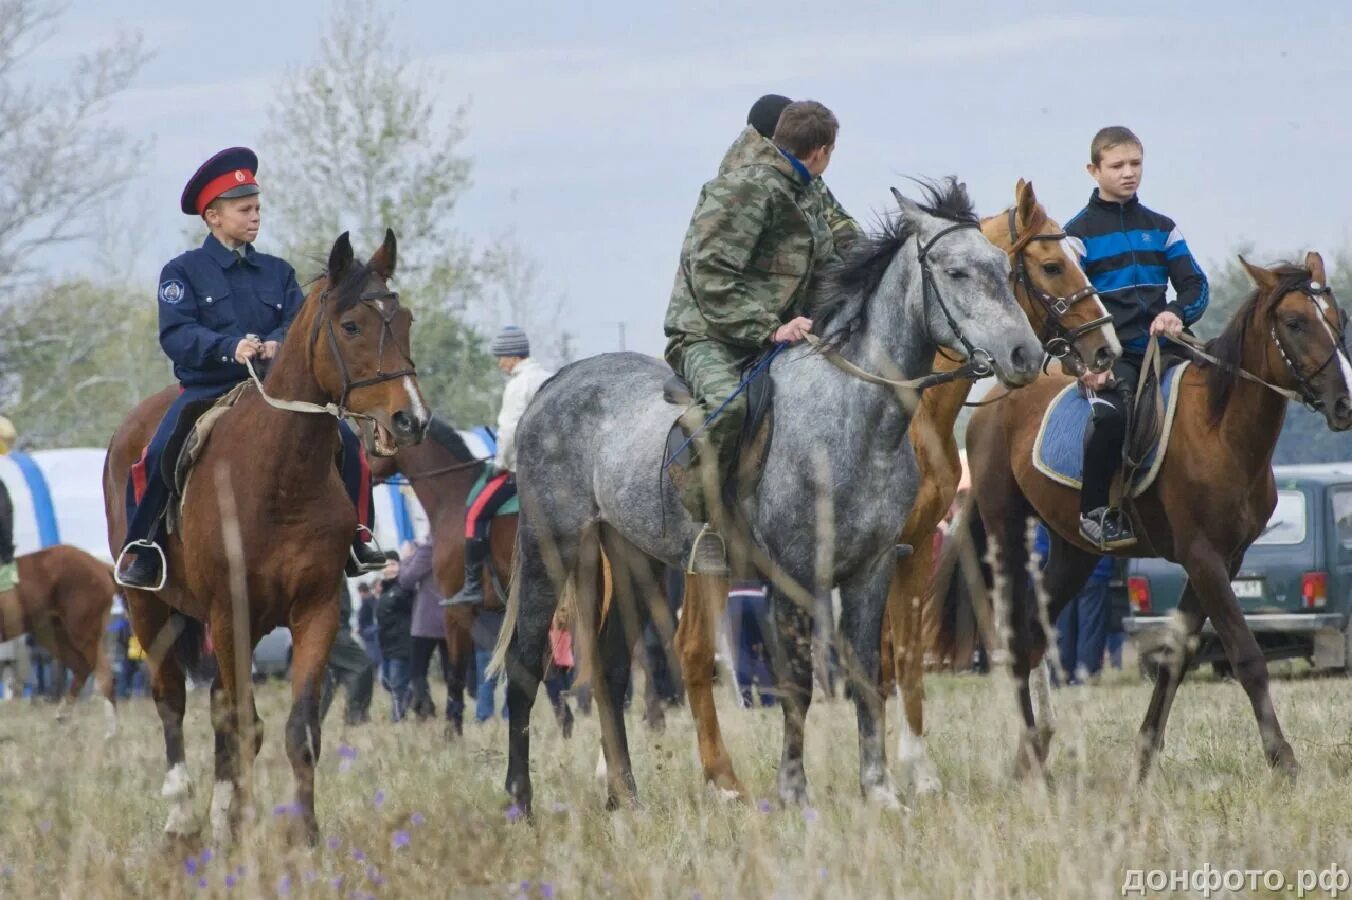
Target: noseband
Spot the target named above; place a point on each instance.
(1058, 339)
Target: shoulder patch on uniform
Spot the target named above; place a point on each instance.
(172, 291)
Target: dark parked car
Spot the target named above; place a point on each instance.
(1295, 584)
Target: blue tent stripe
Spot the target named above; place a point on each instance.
(403, 522)
(490, 439)
(49, 534)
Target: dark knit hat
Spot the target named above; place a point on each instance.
(511, 341)
(765, 112)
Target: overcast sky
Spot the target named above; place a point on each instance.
(592, 125)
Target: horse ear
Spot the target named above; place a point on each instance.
(383, 261)
(340, 257)
(1315, 263)
(909, 208)
(1265, 279)
(1027, 201)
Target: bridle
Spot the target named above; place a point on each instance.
(1058, 340)
(1309, 396)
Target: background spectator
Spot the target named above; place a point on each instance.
(394, 618)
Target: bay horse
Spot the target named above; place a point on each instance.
(1075, 327)
(591, 444)
(267, 525)
(441, 472)
(1213, 495)
(64, 599)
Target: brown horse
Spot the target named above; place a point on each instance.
(267, 525)
(1070, 319)
(63, 599)
(441, 472)
(1212, 497)
(1060, 303)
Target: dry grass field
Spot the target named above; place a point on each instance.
(404, 814)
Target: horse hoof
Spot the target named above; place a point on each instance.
(884, 797)
(727, 788)
(793, 792)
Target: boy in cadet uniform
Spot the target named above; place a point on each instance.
(757, 236)
(1131, 254)
(221, 306)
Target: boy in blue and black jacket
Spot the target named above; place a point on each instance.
(1131, 255)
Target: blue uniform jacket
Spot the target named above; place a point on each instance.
(211, 297)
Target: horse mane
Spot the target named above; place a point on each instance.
(445, 435)
(838, 303)
(1229, 347)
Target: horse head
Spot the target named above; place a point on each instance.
(1052, 288)
(969, 307)
(1306, 350)
(359, 342)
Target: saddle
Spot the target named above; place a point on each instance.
(189, 439)
(752, 445)
(1058, 450)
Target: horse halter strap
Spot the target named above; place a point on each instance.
(1308, 396)
(1062, 343)
(979, 360)
(373, 300)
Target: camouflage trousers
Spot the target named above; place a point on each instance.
(713, 372)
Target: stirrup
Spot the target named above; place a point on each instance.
(708, 532)
(149, 545)
(370, 538)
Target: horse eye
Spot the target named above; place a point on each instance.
(956, 273)
(1293, 325)
(351, 328)
(1052, 268)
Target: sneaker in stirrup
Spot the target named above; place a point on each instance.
(708, 554)
(1106, 528)
(140, 565)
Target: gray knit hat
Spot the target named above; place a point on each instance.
(511, 341)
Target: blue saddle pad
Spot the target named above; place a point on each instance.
(1058, 451)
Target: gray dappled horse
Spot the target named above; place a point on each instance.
(836, 486)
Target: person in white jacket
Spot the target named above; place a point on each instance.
(524, 377)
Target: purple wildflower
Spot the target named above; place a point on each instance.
(379, 799)
(284, 885)
(525, 887)
(347, 752)
(337, 882)
(207, 856)
(809, 815)
(546, 890)
(190, 865)
(514, 813)
(334, 842)
(358, 855)
(763, 805)
(281, 809)
(400, 839)
(416, 818)
(202, 883)
(230, 880)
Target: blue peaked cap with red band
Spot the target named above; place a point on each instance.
(229, 173)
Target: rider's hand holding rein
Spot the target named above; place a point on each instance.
(247, 349)
(793, 331)
(1167, 323)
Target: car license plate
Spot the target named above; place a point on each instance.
(1248, 588)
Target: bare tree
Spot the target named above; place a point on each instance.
(58, 158)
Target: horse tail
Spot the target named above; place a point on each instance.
(513, 612)
(960, 592)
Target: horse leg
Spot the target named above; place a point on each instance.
(150, 618)
(862, 602)
(705, 599)
(1150, 740)
(1245, 656)
(535, 598)
(313, 626)
(794, 670)
(904, 598)
(460, 656)
(611, 654)
(103, 680)
(229, 692)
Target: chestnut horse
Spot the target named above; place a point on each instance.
(1212, 497)
(267, 524)
(1055, 294)
(442, 471)
(1050, 286)
(63, 599)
